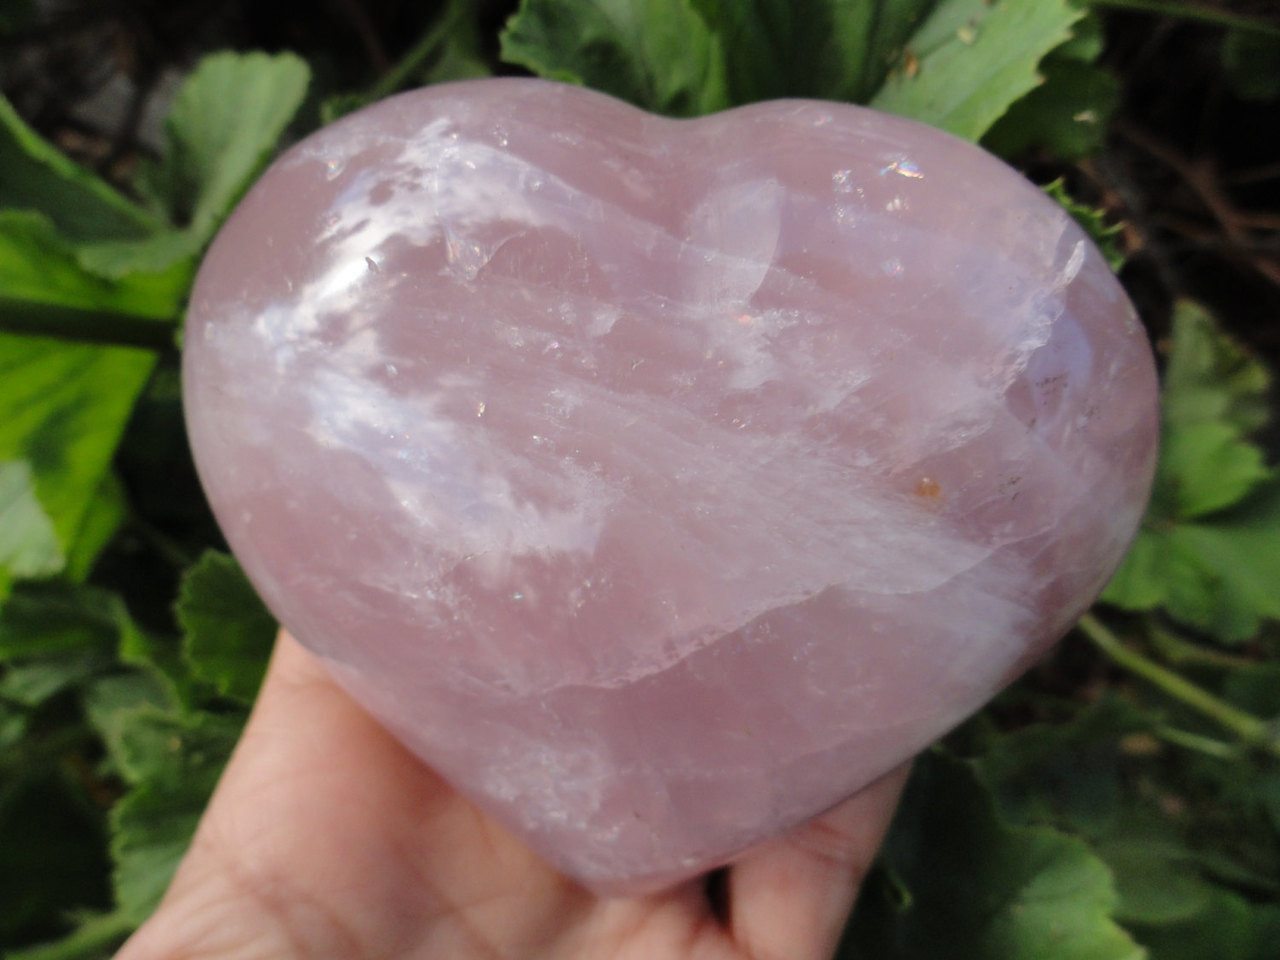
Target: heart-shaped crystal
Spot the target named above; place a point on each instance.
(662, 483)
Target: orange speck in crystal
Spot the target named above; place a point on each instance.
(929, 488)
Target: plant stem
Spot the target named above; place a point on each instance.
(1201, 744)
(1177, 649)
(1252, 730)
(1189, 11)
(421, 52)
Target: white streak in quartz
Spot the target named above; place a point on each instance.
(603, 317)
(458, 498)
(742, 237)
(350, 415)
(457, 491)
(732, 243)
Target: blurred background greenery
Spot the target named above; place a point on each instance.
(1122, 800)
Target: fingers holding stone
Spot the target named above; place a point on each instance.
(790, 897)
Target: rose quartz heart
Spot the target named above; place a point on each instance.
(662, 483)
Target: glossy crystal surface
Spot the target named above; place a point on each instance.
(662, 483)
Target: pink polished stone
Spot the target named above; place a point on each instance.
(662, 483)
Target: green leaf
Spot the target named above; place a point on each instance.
(173, 761)
(111, 702)
(1087, 776)
(1218, 575)
(972, 59)
(454, 47)
(1255, 688)
(152, 827)
(1210, 378)
(38, 176)
(28, 544)
(1251, 62)
(1067, 116)
(1205, 467)
(1227, 926)
(62, 410)
(830, 49)
(1268, 788)
(1207, 550)
(460, 59)
(1156, 877)
(1159, 878)
(451, 49)
(1093, 221)
(52, 855)
(95, 938)
(170, 252)
(228, 632)
(1227, 812)
(338, 105)
(52, 619)
(161, 658)
(102, 518)
(222, 129)
(13, 725)
(1066, 774)
(959, 69)
(657, 54)
(1139, 583)
(957, 881)
(31, 684)
(41, 275)
(1088, 39)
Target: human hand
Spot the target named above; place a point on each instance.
(326, 838)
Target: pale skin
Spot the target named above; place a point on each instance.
(326, 839)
